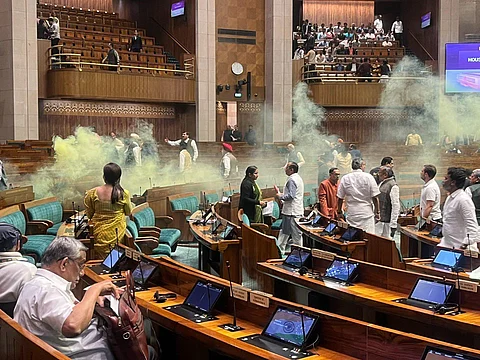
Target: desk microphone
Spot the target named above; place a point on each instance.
(208, 298)
(457, 271)
(347, 282)
(140, 191)
(150, 183)
(143, 287)
(231, 327)
(302, 348)
(74, 218)
(230, 189)
(303, 269)
(470, 250)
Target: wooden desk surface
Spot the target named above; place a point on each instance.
(209, 332)
(377, 298)
(202, 234)
(422, 236)
(341, 337)
(331, 241)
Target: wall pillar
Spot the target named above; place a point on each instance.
(278, 70)
(18, 70)
(449, 20)
(205, 72)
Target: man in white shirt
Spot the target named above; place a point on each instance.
(15, 270)
(187, 144)
(430, 195)
(389, 203)
(360, 191)
(473, 190)
(292, 198)
(378, 24)
(397, 30)
(48, 309)
(460, 228)
(229, 163)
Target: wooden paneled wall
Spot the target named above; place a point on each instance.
(347, 94)
(240, 15)
(250, 113)
(412, 12)
(108, 85)
(331, 12)
(64, 124)
(363, 125)
(106, 5)
(182, 28)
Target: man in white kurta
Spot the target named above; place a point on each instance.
(460, 228)
(360, 191)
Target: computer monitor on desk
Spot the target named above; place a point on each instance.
(432, 353)
(447, 259)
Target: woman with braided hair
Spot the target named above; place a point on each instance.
(107, 206)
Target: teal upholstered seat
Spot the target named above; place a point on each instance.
(212, 198)
(277, 224)
(52, 211)
(30, 259)
(189, 203)
(36, 244)
(245, 219)
(160, 250)
(146, 218)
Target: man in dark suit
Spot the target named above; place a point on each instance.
(136, 43)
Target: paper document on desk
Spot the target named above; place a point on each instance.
(268, 210)
(196, 216)
(114, 303)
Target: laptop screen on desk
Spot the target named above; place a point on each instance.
(436, 231)
(341, 270)
(431, 291)
(447, 258)
(432, 353)
(112, 259)
(203, 296)
(297, 257)
(143, 272)
(350, 234)
(330, 227)
(286, 325)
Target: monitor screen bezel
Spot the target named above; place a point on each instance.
(212, 304)
(431, 281)
(307, 334)
(355, 234)
(449, 251)
(122, 254)
(428, 348)
(352, 274)
(298, 248)
(147, 279)
(438, 226)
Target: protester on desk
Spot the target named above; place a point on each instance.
(460, 228)
(15, 270)
(107, 206)
(251, 196)
(292, 198)
(360, 192)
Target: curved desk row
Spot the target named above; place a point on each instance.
(340, 337)
(372, 299)
(372, 248)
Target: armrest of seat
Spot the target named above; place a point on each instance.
(38, 226)
(263, 228)
(146, 244)
(183, 212)
(149, 231)
(162, 221)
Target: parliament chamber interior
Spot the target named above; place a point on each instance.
(248, 224)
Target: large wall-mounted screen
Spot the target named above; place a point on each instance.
(178, 9)
(462, 68)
